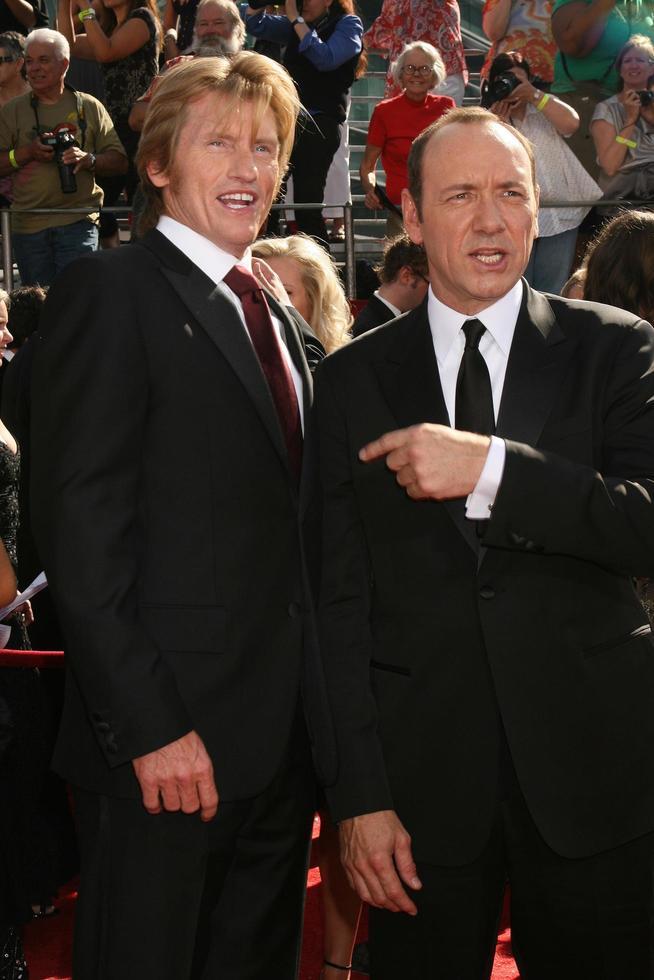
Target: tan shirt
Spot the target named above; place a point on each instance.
(37, 184)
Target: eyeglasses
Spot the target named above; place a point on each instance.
(5, 59)
(417, 69)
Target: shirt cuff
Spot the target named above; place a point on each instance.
(480, 502)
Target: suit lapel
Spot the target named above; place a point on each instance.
(537, 360)
(411, 384)
(221, 320)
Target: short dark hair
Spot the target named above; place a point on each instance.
(619, 264)
(401, 252)
(469, 116)
(14, 42)
(505, 62)
(26, 305)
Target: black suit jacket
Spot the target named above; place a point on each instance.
(170, 526)
(427, 629)
(374, 313)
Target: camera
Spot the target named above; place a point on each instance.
(500, 88)
(60, 142)
(646, 97)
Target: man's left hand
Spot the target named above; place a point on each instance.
(431, 461)
(80, 159)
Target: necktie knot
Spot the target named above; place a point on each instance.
(474, 331)
(240, 281)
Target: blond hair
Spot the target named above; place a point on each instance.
(247, 77)
(330, 317)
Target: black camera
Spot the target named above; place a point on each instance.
(499, 89)
(60, 142)
(646, 97)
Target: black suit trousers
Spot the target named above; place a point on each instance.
(582, 919)
(169, 897)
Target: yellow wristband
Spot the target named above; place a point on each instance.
(543, 102)
(625, 142)
(13, 161)
(88, 14)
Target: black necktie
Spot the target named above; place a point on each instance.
(269, 351)
(474, 394)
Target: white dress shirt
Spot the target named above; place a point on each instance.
(382, 299)
(216, 263)
(446, 327)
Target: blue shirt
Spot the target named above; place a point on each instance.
(344, 43)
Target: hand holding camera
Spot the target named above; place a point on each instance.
(61, 142)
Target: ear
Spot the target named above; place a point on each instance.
(412, 222)
(157, 176)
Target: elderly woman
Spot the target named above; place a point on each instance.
(396, 122)
(544, 120)
(623, 125)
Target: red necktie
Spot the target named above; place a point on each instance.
(268, 349)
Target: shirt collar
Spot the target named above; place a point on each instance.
(499, 319)
(212, 260)
(386, 302)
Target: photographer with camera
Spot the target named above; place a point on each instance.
(623, 126)
(512, 94)
(54, 141)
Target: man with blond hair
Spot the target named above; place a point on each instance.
(171, 495)
(488, 475)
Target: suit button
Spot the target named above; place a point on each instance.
(486, 592)
(294, 609)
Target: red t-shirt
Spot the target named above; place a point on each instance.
(394, 125)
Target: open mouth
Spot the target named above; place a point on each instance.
(489, 259)
(237, 200)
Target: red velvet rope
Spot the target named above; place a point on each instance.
(31, 658)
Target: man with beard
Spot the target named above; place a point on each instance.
(219, 32)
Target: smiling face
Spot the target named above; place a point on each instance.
(416, 84)
(479, 213)
(223, 177)
(45, 71)
(635, 68)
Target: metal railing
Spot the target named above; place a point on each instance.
(349, 263)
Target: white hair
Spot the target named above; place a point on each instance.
(43, 35)
(236, 39)
(437, 66)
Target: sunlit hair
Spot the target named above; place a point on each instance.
(44, 35)
(330, 317)
(439, 73)
(400, 253)
(620, 264)
(237, 36)
(247, 77)
(575, 284)
(643, 43)
(470, 116)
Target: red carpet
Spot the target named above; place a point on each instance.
(48, 941)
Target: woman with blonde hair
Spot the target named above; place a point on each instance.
(313, 286)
